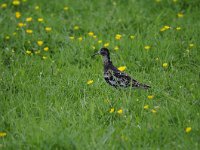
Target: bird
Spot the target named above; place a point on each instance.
(114, 76)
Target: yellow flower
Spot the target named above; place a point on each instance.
(80, 38)
(28, 52)
(93, 47)
(71, 37)
(20, 24)
(122, 68)
(165, 28)
(165, 65)
(29, 19)
(17, 14)
(180, 15)
(37, 7)
(120, 111)
(147, 47)
(7, 37)
(44, 57)
(112, 110)
(4, 5)
(40, 19)
(132, 37)
(153, 111)
(116, 48)
(94, 36)
(40, 43)
(14, 33)
(76, 27)
(90, 82)
(118, 36)
(99, 41)
(16, 2)
(150, 96)
(66, 8)
(46, 49)
(2, 134)
(188, 129)
(48, 29)
(106, 44)
(29, 31)
(178, 28)
(37, 52)
(146, 106)
(91, 33)
(191, 45)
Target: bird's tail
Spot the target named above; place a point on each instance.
(144, 86)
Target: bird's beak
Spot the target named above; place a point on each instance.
(97, 53)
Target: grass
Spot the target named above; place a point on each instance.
(45, 102)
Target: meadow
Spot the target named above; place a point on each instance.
(52, 92)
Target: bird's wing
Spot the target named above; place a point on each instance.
(125, 80)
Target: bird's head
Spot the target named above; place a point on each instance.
(103, 51)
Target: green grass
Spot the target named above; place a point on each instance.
(47, 104)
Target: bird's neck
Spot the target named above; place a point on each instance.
(106, 60)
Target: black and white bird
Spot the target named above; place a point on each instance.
(115, 77)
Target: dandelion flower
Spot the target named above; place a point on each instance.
(166, 27)
(40, 19)
(80, 38)
(48, 29)
(132, 37)
(146, 106)
(165, 65)
(188, 129)
(20, 24)
(76, 27)
(150, 96)
(180, 15)
(46, 49)
(147, 47)
(16, 2)
(2, 134)
(116, 48)
(29, 31)
(112, 110)
(44, 57)
(99, 41)
(191, 45)
(17, 14)
(4, 5)
(29, 19)
(122, 68)
(28, 52)
(178, 28)
(94, 36)
(106, 44)
(91, 33)
(37, 7)
(153, 111)
(66, 8)
(40, 43)
(14, 33)
(120, 111)
(7, 37)
(37, 52)
(71, 37)
(90, 82)
(118, 36)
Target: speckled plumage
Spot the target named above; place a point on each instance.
(115, 77)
